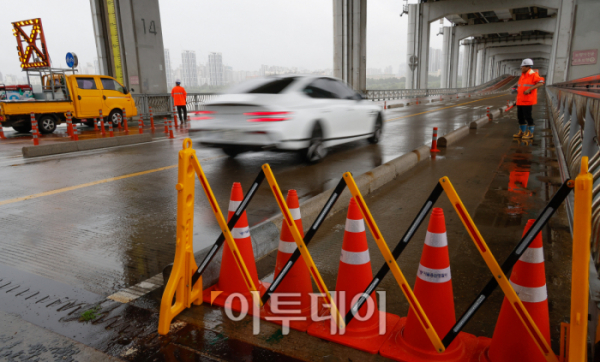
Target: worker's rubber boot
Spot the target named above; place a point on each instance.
(518, 135)
(528, 135)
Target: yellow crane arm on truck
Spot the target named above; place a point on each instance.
(82, 95)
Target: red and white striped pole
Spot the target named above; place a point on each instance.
(110, 126)
(141, 126)
(69, 125)
(75, 135)
(151, 120)
(488, 112)
(171, 130)
(95, 124)
(36, 132)
(2, 136)
(142, 119)
(125, 121)
(166, 126)
(434, 140)
(102, 130)
(384, 104)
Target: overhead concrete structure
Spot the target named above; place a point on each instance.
(488, 28)
(129, 43)
(350, 42)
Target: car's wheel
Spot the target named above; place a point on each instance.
(377, 131)
(232, 151)
(22, 128)
(47, 124)
(316, 150)
(115, 116)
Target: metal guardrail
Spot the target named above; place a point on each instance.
(162, 104)
(574, 114)
(391, 94)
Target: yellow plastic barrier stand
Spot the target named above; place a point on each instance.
(391, 262)
(289, 220)
(582, 224)
(179, 285)
(184, 266)
(502, 280)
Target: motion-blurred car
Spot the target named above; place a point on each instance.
(304, 113)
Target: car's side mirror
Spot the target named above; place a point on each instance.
(125, 91)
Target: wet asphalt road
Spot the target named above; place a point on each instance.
(102, 234)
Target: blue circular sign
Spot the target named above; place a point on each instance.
(71, 60)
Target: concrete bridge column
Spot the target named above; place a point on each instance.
(446, 58)
(137, 56)
(561, 48)
(350, 42)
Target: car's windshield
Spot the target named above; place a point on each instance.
(262, 86)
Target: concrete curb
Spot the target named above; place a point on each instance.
(74, 146)
(398, 105)
(478, 123)
(453, 136)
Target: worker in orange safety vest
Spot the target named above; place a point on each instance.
(179, 100)
(527, 87)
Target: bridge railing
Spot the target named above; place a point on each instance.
(162, 104)
(574, 114)
(391, 94)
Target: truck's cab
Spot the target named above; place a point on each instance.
(94, 92)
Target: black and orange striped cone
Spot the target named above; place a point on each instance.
(230, 277)
(433, 289)
(297, 281)
(364, 332)
(511, 341)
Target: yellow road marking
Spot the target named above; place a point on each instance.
(93, 183)
(439, 109)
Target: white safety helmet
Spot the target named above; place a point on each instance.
(527, 63)
(178, 81)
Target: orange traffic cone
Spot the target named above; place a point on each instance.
(370, 327)
(511, 342)
(297, 280)
(230, 277)
(433, 289)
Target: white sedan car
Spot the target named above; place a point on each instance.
(303, 113)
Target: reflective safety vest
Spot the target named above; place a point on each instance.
(528, 80)
(178, 93)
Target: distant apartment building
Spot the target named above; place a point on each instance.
(215, 69)
(169, 70)
(435, 61)
(1, 78)
(189, 68)
(373, 71)
(388, 70)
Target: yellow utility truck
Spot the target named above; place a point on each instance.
(83, 95)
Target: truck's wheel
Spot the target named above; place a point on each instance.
(47, 124)
(23, 128)
(115, 117)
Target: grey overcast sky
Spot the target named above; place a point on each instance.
(291, 33)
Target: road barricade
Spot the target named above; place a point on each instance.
(523, 324)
